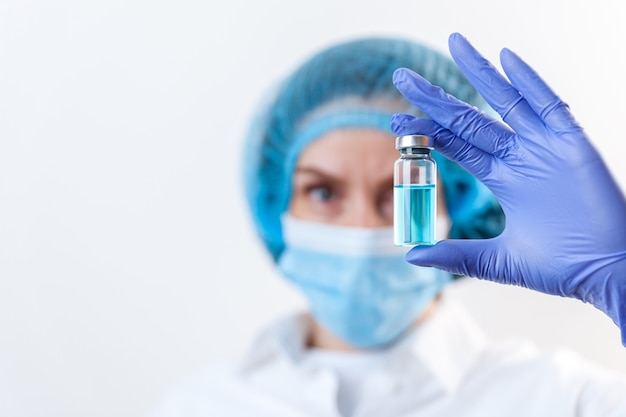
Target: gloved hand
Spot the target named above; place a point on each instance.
(565, 215)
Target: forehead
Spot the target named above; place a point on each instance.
(351, 148)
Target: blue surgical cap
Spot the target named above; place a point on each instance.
(350, 85)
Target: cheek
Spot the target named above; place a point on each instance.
(295, 204)
(442, 209)
(300, 205)
(385, 206)
(443, 219)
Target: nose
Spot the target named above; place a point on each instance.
(364, 212)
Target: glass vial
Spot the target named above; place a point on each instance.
(414, 192)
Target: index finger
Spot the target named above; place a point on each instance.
(498, 92)
(465, 121)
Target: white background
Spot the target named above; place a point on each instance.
(126, 255)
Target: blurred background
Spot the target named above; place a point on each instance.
(127, 259)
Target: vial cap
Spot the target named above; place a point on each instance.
(412, 141)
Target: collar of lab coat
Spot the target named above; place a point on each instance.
(444, 348)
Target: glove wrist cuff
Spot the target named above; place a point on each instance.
(609, 294)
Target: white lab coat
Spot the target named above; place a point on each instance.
(446, 367)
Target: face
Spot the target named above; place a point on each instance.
(345, 178)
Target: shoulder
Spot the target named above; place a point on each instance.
(525, 357)
(555, 376)
(228, 387)
(522, 376)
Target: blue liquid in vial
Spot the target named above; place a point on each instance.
(415, 208)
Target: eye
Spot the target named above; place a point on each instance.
(321, 193)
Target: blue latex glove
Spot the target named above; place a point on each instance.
(565, 215)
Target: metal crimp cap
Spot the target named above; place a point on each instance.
(412, 141)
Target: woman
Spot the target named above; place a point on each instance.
(380, 338)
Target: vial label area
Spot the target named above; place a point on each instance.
(415, 211)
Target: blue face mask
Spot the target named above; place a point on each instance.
(358, 284)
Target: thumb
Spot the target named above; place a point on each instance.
(462, 257)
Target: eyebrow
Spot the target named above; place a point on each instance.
(312, 170)
(320, 173)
